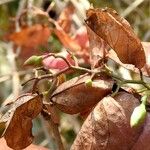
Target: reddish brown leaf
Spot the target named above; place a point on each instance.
(66, 40)
(108, 125)
(74, 96)
(18, 120)
(146, 69)
(117, 32)
(3, 146)
(81, 37)
(143, 143)
(146, 46)
(97, 48)
(31, 37)
(65, 18)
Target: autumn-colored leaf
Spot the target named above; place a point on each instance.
(66, 40)
(31, 37)
(3, 146)
(18, 134)
(65, 18)
(143, 143)
(108, 125)
(97, 48)
(146, 68)
(146, 46)
(74, 96)
(81, 37)
(119, 35)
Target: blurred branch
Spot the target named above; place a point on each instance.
(146, 36)
(131, 7)
(11, 55)
(4, 78)
(19, 12)
(23, 72)
(15, 77)
(29, 8)
(48, 139)
(50, 6)
(5, 1)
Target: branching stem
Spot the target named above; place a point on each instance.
(104, 70)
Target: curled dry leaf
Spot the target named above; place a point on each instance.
(108, 125)
(97, 47)
(74, 96)
(119, 35)
(18, 132)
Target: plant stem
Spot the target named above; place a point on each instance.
(56, 133)
(52, 124)
(124, 81)
(105, 70)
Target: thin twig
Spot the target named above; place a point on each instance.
(6, 1)
(52, 4)
(29, 9)
(5, 78)
(77, 68)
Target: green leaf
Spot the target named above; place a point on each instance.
(33, 60)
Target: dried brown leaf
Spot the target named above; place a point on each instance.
(75, 96)
(65, 18)
(107, 127)
(143, 143)
(113, 59)
(31, 37)
(18, 134)
(117, 32)
(66, 40)
(3, 146)
(146, 68)
(97, 47)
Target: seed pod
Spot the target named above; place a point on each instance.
(74, 96)
(139, 114)
(88, 82)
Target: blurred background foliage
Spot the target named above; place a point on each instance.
(137, 12)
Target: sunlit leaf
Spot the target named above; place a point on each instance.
(119, 35)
